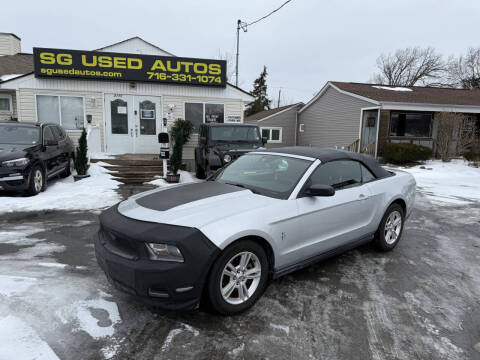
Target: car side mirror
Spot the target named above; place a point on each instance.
(50, 142)
(264, 140)
(320, 190)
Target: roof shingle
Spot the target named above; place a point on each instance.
(263, 114)
(418, 94)
(20, 63)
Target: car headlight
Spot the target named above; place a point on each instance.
(227, 158)
(164, 252)
(16, 162)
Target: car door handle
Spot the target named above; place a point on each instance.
(362, 197)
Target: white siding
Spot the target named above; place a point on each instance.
(135, 46)
(333, 120)
(122, 87)
(93, 106)
(9, 44)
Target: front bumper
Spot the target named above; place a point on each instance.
(14, 179)
(121, 253)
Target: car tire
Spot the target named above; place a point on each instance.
(234, 286)
(68, 169)
(391, 228)
(37, 182)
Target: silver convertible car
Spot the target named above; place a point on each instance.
(260, 217)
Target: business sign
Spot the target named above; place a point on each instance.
(96, 65)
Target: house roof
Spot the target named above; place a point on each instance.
(266, 113)
(4, 33)
(20, 63)
(411, 94)
(132, 38)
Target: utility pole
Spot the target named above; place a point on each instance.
(279, 92)
(240, 25)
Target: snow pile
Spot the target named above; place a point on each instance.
(82, 313)
(95, 192)
(20, 341)
(397, 88)
(453, 183)
(185, 177)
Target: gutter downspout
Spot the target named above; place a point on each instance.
(296, 126)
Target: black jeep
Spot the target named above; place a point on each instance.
(221, 143)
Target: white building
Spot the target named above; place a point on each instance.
(126, 115)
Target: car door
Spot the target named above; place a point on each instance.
(61, 137)
(325, 223)
(51, 151)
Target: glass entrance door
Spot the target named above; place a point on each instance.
(148, 124)
(119, 131)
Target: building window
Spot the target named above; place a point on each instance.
(199, 113)
(301, 127)
(273, 135)
(67, 111)
(5, 103)
(119, 116)
(410, 124)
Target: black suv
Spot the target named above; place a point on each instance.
(32, 153)
(221, 143)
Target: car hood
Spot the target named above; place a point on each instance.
(192, 205)
(11, 151)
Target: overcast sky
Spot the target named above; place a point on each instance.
(303, 45)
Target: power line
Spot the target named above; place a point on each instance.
(270, 13)
(243, 25)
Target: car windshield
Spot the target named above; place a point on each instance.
(19, 135)
(271, 175)
(235, 133)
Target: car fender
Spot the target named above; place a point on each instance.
(214, 160)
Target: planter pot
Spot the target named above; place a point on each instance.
(80, 177)
(173, 178)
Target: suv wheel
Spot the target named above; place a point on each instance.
(68, 168)
(390, 229)
(37, 180)
(238, 278)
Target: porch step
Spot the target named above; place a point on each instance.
(129, 162)
(134, 180)
(133, 168)
(139, 169)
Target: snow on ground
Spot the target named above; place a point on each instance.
(185, 177)
(41, 298)
(94, 192)
(19, 341)
(453, 182)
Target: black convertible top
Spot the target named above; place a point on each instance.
(326, 155)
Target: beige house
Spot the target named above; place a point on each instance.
(122, 116)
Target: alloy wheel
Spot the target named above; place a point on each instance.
(240, 277)
(393, 227)
(38, 180)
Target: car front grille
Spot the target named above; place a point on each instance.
(118, 245)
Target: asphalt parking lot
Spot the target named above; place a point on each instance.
(421, 301)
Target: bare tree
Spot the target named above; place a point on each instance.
(410, 66)
(464, 71)
(456, 134)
